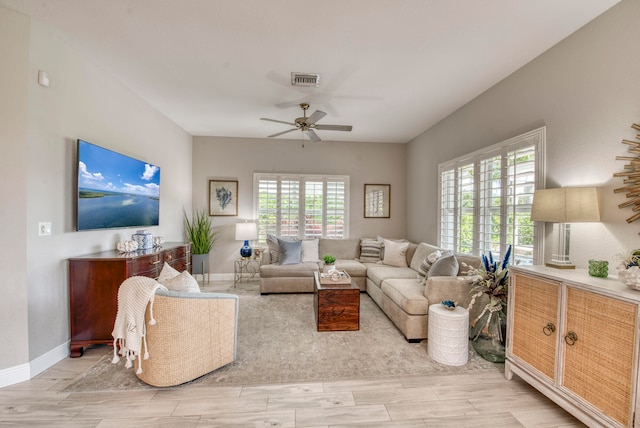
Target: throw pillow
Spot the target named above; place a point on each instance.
(395, 253)
(183, 282)
(289, 252)
(444, 266)
(309, 251)
(370, 250)
(426, 264)
(274, 248)
(166, 273)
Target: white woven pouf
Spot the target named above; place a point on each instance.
(448, 336)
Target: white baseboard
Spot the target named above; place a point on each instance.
(14, 375)
(214, 277)
(49, 359)
(24, 372)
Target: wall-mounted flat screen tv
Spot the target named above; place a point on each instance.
(115, 190)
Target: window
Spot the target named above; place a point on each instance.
(485, 199)
(301, 206)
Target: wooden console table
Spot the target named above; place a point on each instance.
(94, 280)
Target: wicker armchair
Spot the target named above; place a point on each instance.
(194, 334)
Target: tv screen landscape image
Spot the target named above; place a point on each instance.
(115, 190)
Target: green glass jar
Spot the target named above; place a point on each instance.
(599, 268)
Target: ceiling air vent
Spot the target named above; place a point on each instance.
(305, 79)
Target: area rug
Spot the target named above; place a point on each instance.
(278, 342)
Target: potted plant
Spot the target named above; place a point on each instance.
(202, 237)
(329, 263)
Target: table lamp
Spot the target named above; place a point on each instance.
(565, 205)
(246, 232)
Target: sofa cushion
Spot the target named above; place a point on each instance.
(309, 251)
(444, 266)
(378, 273)
(421, 253)
(289, 252)
(339, 248)
(395, 253)
(370, 250)
(297, 270)
(465, 261)
(353, 267)
(407, 294)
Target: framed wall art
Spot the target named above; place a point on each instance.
(377, 201)
(223, 197)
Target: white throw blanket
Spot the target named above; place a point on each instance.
(129, 331)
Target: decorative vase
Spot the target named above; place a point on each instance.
(488, 333)
(144, 239)
(599, 268)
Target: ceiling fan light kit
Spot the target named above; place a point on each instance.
(308, 124)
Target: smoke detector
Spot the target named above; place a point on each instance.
(305, 79)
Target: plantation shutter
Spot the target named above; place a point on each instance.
(301, 206)
(485, 199)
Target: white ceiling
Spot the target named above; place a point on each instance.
(390, 68)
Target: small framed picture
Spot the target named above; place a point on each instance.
(377, 201)
(223, 197)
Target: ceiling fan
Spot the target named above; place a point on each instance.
(308, 124)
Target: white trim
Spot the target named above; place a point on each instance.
(49, 359)
(14, 375)
(24, 372)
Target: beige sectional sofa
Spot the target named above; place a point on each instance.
(395, 290)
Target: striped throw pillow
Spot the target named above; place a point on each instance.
(370, 250)
(426, 264)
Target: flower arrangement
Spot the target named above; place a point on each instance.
(492, 279)
(488, 330)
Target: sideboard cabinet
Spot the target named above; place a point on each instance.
(94, 280)
(575, 339)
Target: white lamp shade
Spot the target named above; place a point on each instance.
(246, 231)
(566, 205)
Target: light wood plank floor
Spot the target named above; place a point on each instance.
(464, 400)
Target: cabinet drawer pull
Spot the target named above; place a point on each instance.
(571, 338)
(157, 262)
(549, 329)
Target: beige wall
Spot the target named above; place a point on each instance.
(14, 51)
(83, 101)
(238, 159)
(587, 92)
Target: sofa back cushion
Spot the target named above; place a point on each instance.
(421, 253)
(339, 248)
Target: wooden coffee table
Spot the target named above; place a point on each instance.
(336, 306)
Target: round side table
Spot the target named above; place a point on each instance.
(448, 335)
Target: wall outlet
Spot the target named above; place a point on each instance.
(44, 229)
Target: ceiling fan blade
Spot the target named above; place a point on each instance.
(334, 127)
(313, 136)
(316, 116)
(278, 121)
(283, 132)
